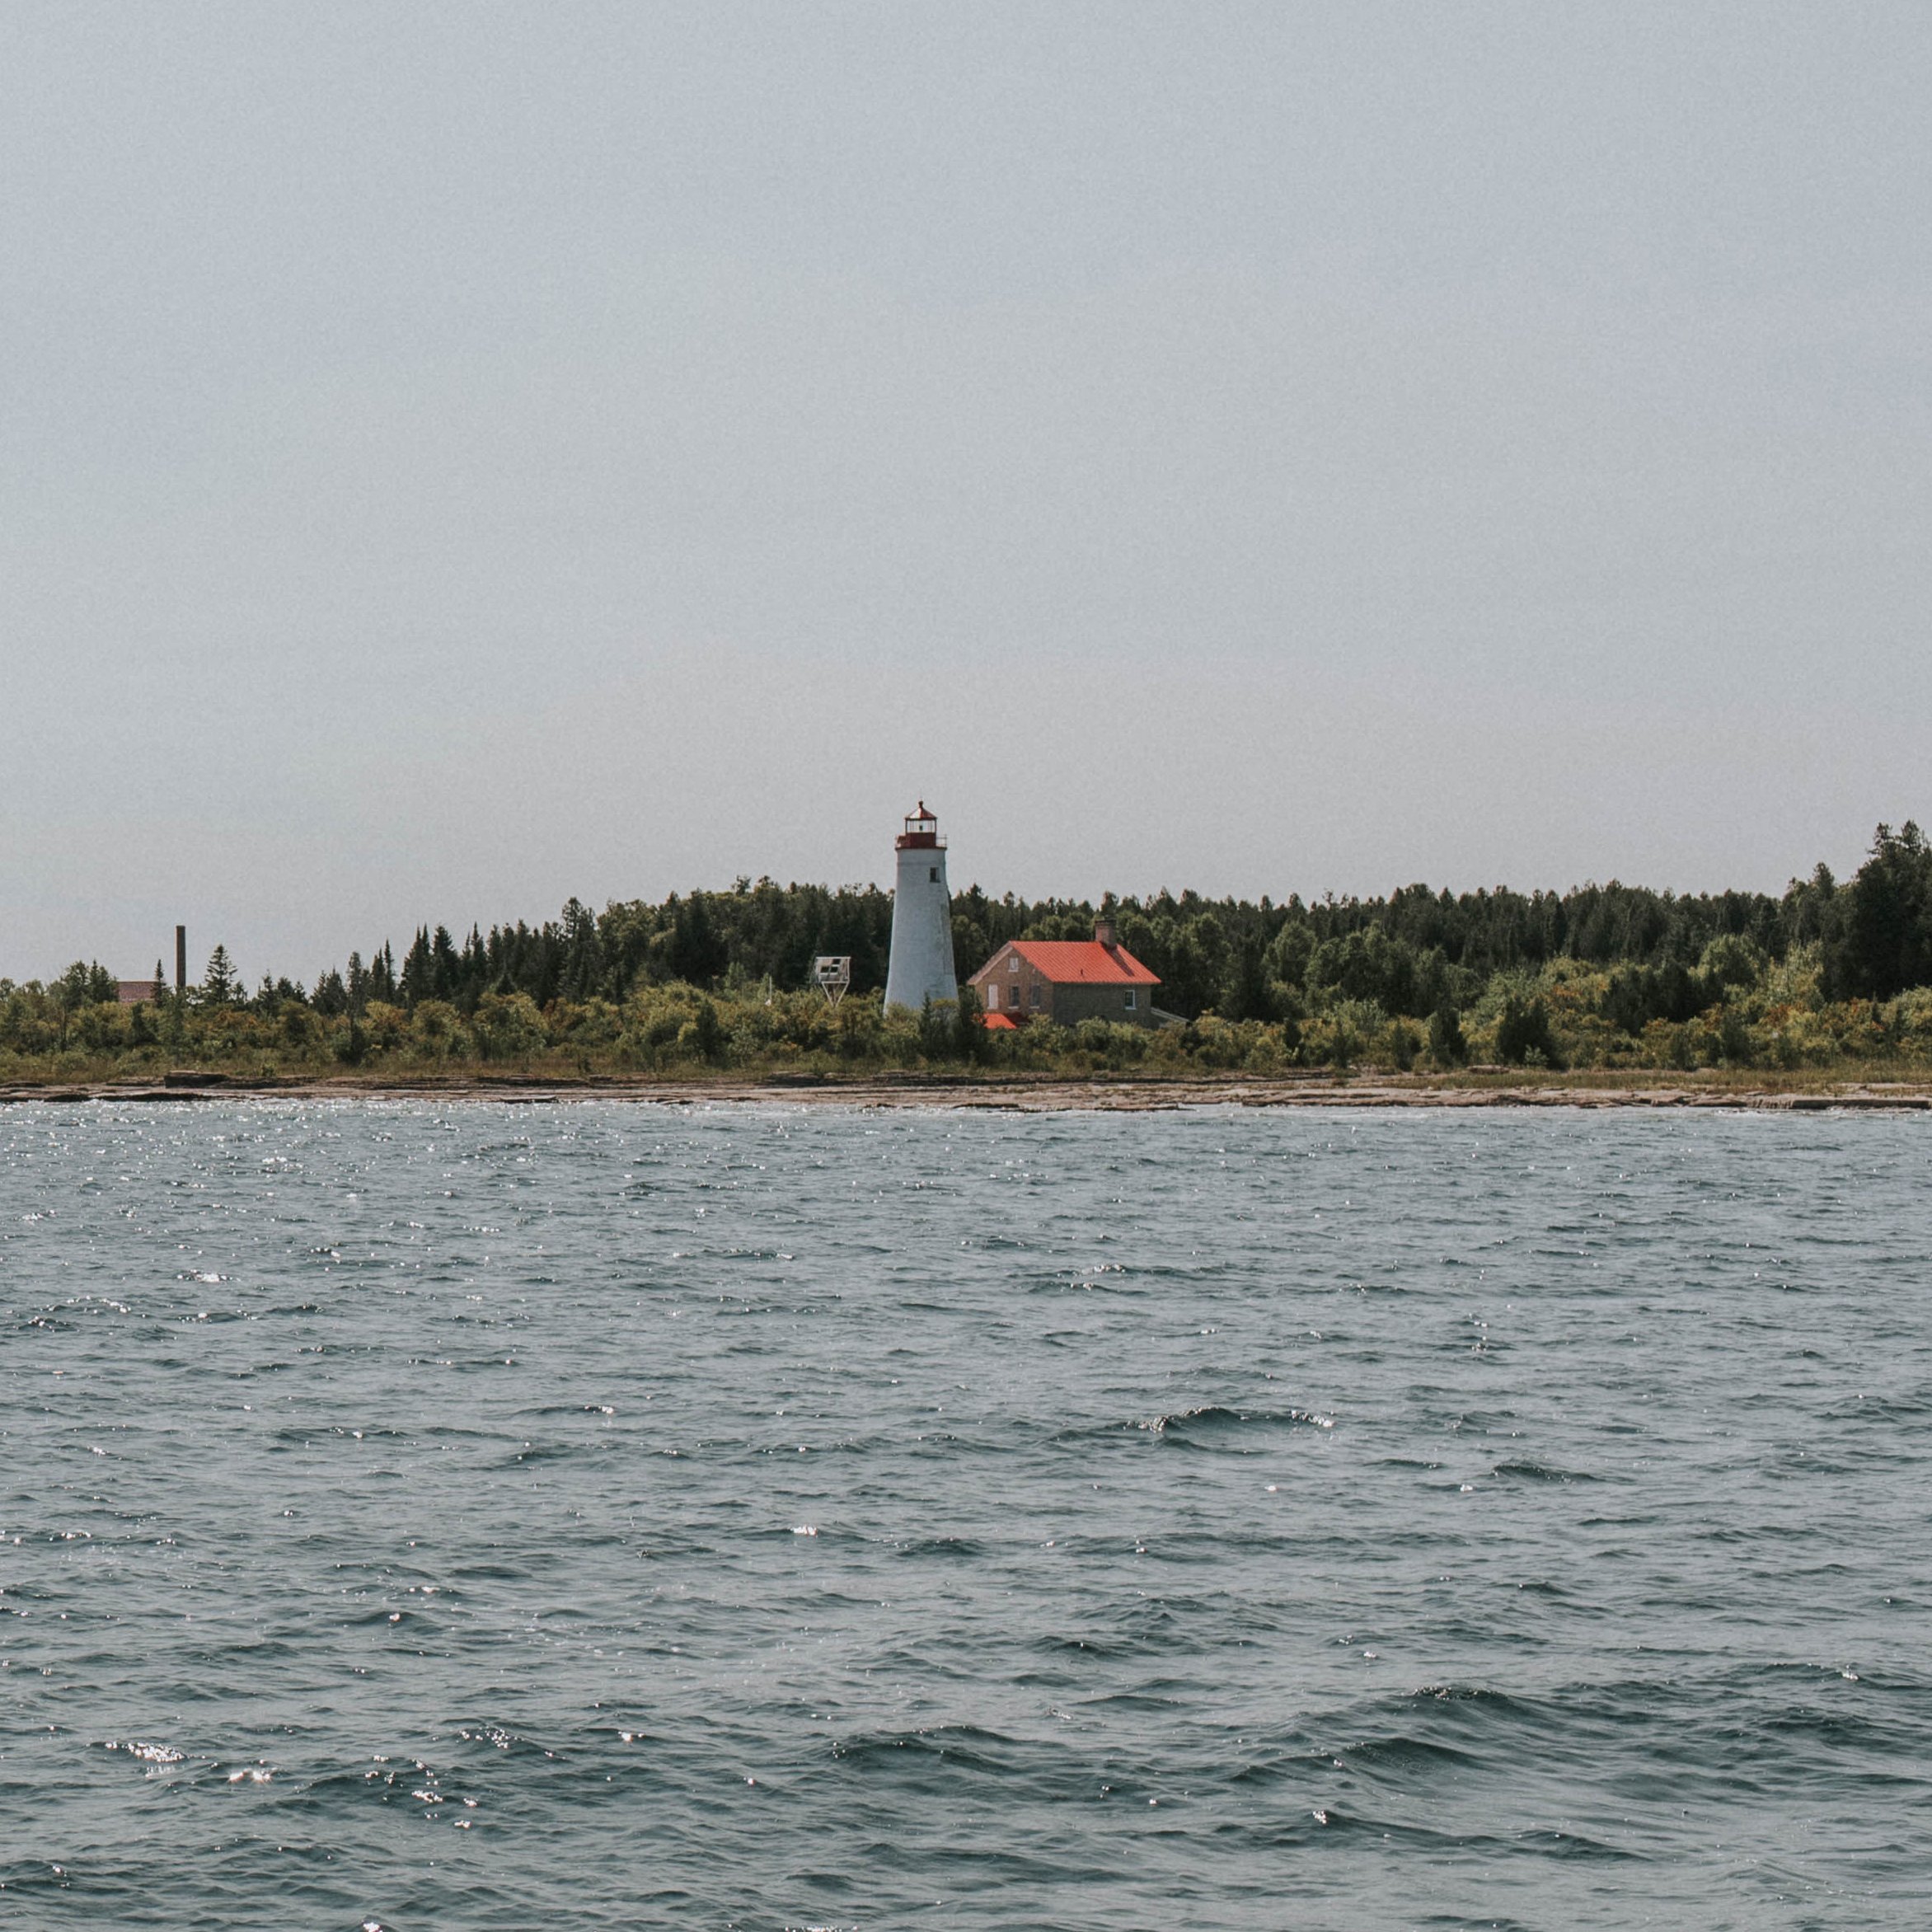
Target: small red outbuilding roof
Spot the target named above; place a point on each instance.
(1084, 961)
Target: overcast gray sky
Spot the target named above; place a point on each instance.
(456, 456)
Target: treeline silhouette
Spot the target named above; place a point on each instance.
(1410, 953)
(1601, 975)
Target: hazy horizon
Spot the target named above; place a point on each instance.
(461, 458)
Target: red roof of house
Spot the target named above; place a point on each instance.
(1083, 962)
(1000, 1022)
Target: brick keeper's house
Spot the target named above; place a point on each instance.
(1067, 981)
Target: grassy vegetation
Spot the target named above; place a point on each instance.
(1771, 1030)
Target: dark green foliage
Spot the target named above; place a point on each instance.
(419, 980)
(1369, 964)
(1887, 935)
(1627, 1004)
(707, 1032)
(1735, 1047)
(755, 932)
(302, 1032)
(1731, 960)
(938, 1029)
(698, 952)
(382, 974)
(1416, 955)
(272, 994)
(85, 984)
(1289, 1022)
(444, 970)
(969, 1037)
(1446, 1040)
(1813, 911)
(218, 986)
(1288, 956)
(1246, 994)
(1522, 1033)
(582, 976)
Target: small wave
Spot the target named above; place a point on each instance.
(147, 1752)
(496, 1736)
(1143, 1627)
(1406, 1756)
(949, 1549)
(535, 1452)
(1526, 1470)
(1210, 1425)
(959, 1747)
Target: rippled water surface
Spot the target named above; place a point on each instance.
(620, 1515)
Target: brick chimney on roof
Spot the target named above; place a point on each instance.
(1104, 933)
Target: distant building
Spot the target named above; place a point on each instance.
(1067, 980)
(921, 964)
(134, 992)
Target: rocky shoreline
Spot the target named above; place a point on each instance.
(1035, 1095)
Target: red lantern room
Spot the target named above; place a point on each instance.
(922, 831)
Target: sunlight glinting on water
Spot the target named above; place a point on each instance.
(479, 1514)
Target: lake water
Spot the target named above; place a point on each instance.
(496, 1516)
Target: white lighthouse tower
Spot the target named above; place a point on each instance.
(921, 968)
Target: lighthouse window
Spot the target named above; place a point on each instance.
(932, 873)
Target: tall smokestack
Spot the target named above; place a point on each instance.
(180, 959)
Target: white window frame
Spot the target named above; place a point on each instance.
(1129, 999)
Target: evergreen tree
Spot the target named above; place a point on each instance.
(969, 1033)
(1244, 995)
(583, 962)
(1887, 942)
(418, 982)
(698, 953)
(218, 983)
(445, 968)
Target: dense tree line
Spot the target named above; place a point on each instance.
(1584, 976)
(1410, 952)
